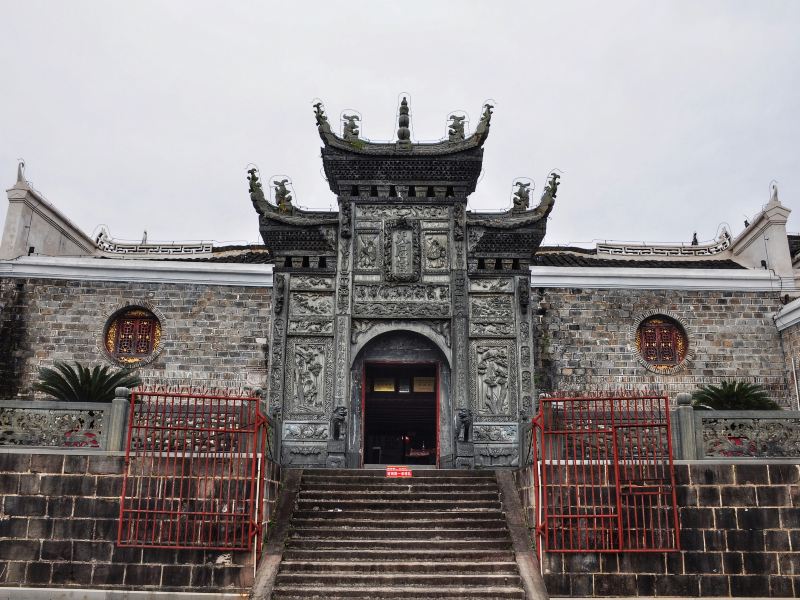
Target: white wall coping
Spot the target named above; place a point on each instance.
(141, 271)
(788, 315)
(751, 280)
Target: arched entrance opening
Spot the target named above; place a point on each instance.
(401, 388)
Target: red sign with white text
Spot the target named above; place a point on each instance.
(398, 472)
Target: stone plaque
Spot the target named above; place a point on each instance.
(401, 252)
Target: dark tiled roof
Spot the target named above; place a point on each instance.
(585, 258)
(794, 244)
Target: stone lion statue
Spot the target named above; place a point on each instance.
(338, 422)
(464, 424)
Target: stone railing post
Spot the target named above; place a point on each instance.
(118, 421)
(684, 446)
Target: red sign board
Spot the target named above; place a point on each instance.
(398, 472)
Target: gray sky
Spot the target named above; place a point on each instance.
(665, 117)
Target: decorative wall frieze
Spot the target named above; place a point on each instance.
(491, 329)
(492, 308)
(303, 454)
(373, 211)
(406, 293)
(311, 283)
(310, 304)
(310, 327)
(303, 431)
(500, 285)
(496, 456)
(502, 433)
(413, 310)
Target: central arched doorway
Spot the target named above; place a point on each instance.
(401, 402)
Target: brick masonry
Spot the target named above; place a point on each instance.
(58, 528)
(211, 335)
(585, 342)
(740, 536)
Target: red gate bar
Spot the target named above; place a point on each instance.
(603, 477)
(192, 471)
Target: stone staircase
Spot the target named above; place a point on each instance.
(357, 534)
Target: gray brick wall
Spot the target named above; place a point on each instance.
(584, 340)
(740, 536)
(212, 335)
(58, 527)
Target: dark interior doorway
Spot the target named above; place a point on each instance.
(400, 413)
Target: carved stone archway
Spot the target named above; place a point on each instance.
(404, 344)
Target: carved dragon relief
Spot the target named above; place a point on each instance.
(311, 304)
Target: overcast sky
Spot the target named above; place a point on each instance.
(665, 117)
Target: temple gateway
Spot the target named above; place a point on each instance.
(401, 324)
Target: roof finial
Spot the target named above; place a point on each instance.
(403, 132)
(21, 171)
(774, 197)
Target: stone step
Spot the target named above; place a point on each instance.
(417, 473)
(425, 554)
(397, 495)
(399, 579)
(310, 543)
(397, 504)
(395, 566)
(361, 524)
(342, 592)
(398, 515)
(426, 486)
(382, 533)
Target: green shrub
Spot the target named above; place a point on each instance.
(76, 383)
(733, 395)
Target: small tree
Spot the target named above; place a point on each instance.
(76, 383)
(733, 395)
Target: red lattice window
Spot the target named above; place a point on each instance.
(661, 341)
(133, 335)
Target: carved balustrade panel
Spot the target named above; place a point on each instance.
(770, 435)
(53, 424)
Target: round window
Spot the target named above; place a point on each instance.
(133, 335)
(661, 342)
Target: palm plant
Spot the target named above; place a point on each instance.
(77, 383)
(733, 395)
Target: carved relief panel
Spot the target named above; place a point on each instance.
(493, 379)
(310, 312)
(367, 257)
(309, 377)
(436, 252)
(492, 315)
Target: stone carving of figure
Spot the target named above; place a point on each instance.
(339, 423)
(464, 425)
(350, 132)
(522, 197)
(492, 371)
(552, 185)
(436, 253)
(322, 120)
(367, 253)
(256, 192)
(456, 131)
(282, 196)
(308, 369)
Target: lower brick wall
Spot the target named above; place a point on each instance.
(58, 527)
(740, 536)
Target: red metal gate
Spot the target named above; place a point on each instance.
(603, 475)
(192, 476)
